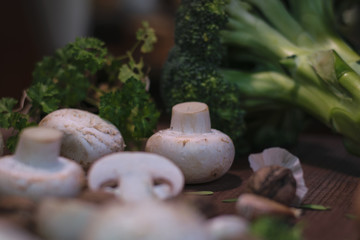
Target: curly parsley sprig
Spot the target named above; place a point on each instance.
(83, 74)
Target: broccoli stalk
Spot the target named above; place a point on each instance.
(268, 59)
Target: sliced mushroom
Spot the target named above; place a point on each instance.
(136, 176)
(87, 137)
(36, 170)
(150, 220)
(203, 154)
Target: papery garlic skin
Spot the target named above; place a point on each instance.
(281, 157)
(274, 182)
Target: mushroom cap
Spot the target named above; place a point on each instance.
(87, 137)
(136, 175)
(201, 157)
(64, 178)
(150, 220)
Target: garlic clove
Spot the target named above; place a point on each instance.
(274, 182)
(281, 157)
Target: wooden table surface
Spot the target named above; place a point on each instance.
(331, 174)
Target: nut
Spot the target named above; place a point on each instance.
(274, 182)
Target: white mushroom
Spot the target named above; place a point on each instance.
(150, 220)
(36, 170)
(64, 219)
(87, 137)
(136, 176)
(227, 227)
(203, 154)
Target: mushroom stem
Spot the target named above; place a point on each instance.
(135, 187)
(39, 147)
(190, 117)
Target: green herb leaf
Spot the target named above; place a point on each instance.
(9, 118)
(315, 207)
(230, 200)
(147, 35)
(351, 216)
(271, 228)
(131, 110)
(45, 97)
(126, 73)
(202, 193)
(7, 104)
(70, 71)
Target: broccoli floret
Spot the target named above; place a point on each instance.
(191, 71)
(206, 85)
(264, 66)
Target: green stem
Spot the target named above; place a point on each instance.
(282, 20)
(252, 32)
(317, 18)
(279, 87)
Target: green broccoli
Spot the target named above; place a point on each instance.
(264, 66)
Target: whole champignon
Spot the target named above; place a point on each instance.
(36, 170)
(203, 154)
(87, 137)
(136, 176)
(150, 220)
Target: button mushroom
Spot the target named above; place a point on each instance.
(36, 170)
(135, 176)
(87, 137)
(203, 154)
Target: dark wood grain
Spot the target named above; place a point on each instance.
(331, 174)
